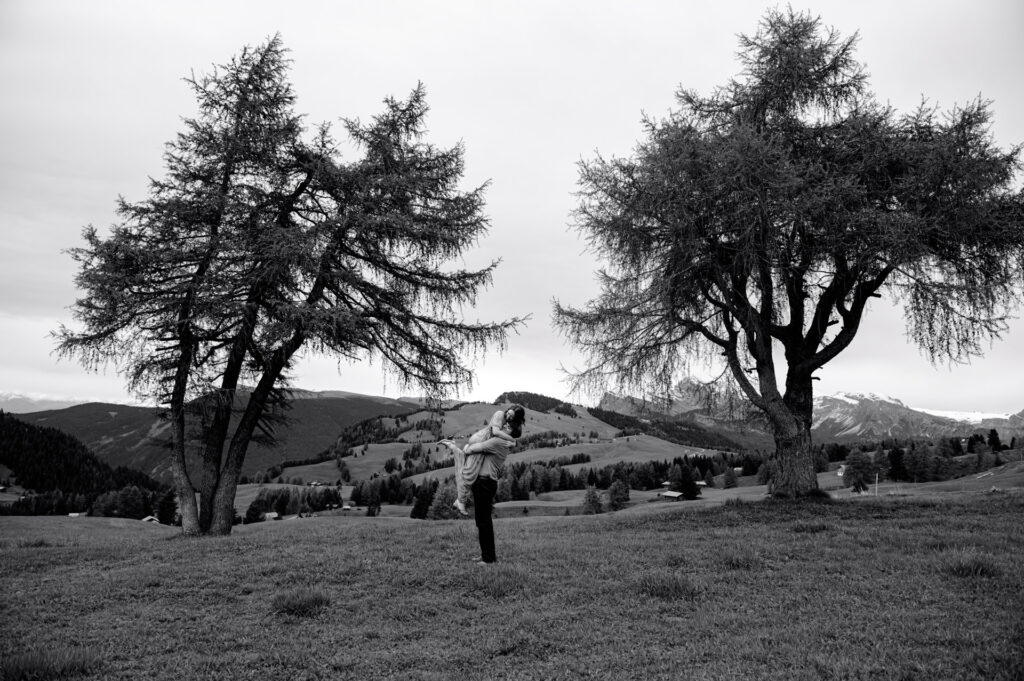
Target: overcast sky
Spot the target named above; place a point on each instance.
(93, 90)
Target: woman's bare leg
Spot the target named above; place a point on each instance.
(461, 488)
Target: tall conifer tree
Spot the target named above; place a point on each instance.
(753, 227)
(261, 241)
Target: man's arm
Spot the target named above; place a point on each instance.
(491, 446)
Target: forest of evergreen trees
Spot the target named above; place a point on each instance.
(913, 460)
(61, 475)
(534, 401)
(679, 432)
(521, 479)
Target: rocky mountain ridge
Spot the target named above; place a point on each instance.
(837, 417)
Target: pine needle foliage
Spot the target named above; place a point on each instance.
(262, 242)
(754, 225)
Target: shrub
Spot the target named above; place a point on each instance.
(424, 498)
(301, 602)
(255, 512)
(859, 471)
(592, 502)
(729, 479)
(566, 409)
(666, 586)
(969, 563)
(618, 495)
(441, 506)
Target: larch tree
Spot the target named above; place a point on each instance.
(752, 227)
(260, 242)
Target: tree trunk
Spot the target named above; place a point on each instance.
(224, 502)
(186, 496)
(179, 468)
(792, 468)
(216, 430)
(207, 489)
(227, 484)
(183, 488)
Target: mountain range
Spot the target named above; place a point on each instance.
(846, 416)
(16, 403)
(839, 417)
(137, 437)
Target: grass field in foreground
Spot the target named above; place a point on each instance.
(867, 589)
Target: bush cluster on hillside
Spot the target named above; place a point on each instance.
(541, 403)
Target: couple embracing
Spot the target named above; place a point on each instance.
(477, 468)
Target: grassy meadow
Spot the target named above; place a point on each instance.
(872, 588)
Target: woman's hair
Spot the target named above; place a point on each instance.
(516, 422)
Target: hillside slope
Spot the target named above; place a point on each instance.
(138, 438)
(46, 459)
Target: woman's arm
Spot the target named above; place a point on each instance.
(498, 432)
(497, 420)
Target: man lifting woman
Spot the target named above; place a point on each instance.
(479, 465)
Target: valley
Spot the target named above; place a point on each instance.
(388, 448)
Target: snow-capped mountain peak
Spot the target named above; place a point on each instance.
(857, 398)
(972, 417)
(19, 403)
(849, 415)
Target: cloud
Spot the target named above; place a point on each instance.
(93, 91)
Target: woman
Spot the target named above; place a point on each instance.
(478, 467)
